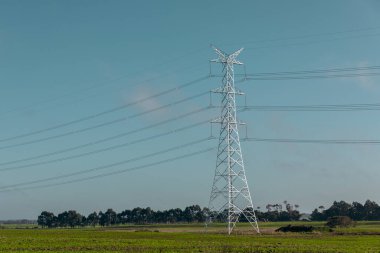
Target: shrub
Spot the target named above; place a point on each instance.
(291, 228)
(339, 221)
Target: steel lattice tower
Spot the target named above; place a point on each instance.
(230, 196)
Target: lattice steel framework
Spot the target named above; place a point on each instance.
(230, 196)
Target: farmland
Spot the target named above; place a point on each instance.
(365, 237)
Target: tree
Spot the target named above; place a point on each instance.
(174, 215)
(191, 213)
(288, 207)
(136, 215)
(357, 211)
(70, 218)
(102, 219)
(317, 216)
(108, 218)
(124, 217)
(74, 218)
(47, 219)
(63, 219)
(146, 215)
(340, 208)
(371, 210)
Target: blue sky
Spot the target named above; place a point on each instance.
(64, 60)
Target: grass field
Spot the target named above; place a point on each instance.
(365, 237)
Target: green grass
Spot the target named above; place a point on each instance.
(365, 237)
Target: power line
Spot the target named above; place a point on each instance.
(113, 137)
(313, 71)
(308, 108)
(313, 141)
(115, 109)
(254, 76)
(114, 172)
(310, 76)
(102, 124)
(249, 42)
(108, 165)
(314, 108)
(149, 138)
(103, 83)
(174, 59)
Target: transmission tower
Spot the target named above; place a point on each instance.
(230, 196)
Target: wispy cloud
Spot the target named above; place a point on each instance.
(366, 82)
(141, 93)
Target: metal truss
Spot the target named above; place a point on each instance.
(230, 196)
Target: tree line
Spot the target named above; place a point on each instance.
(137, 215)
(356, 211)
(285, 211)
(190, 214)
(279, 212)
(17, 222)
